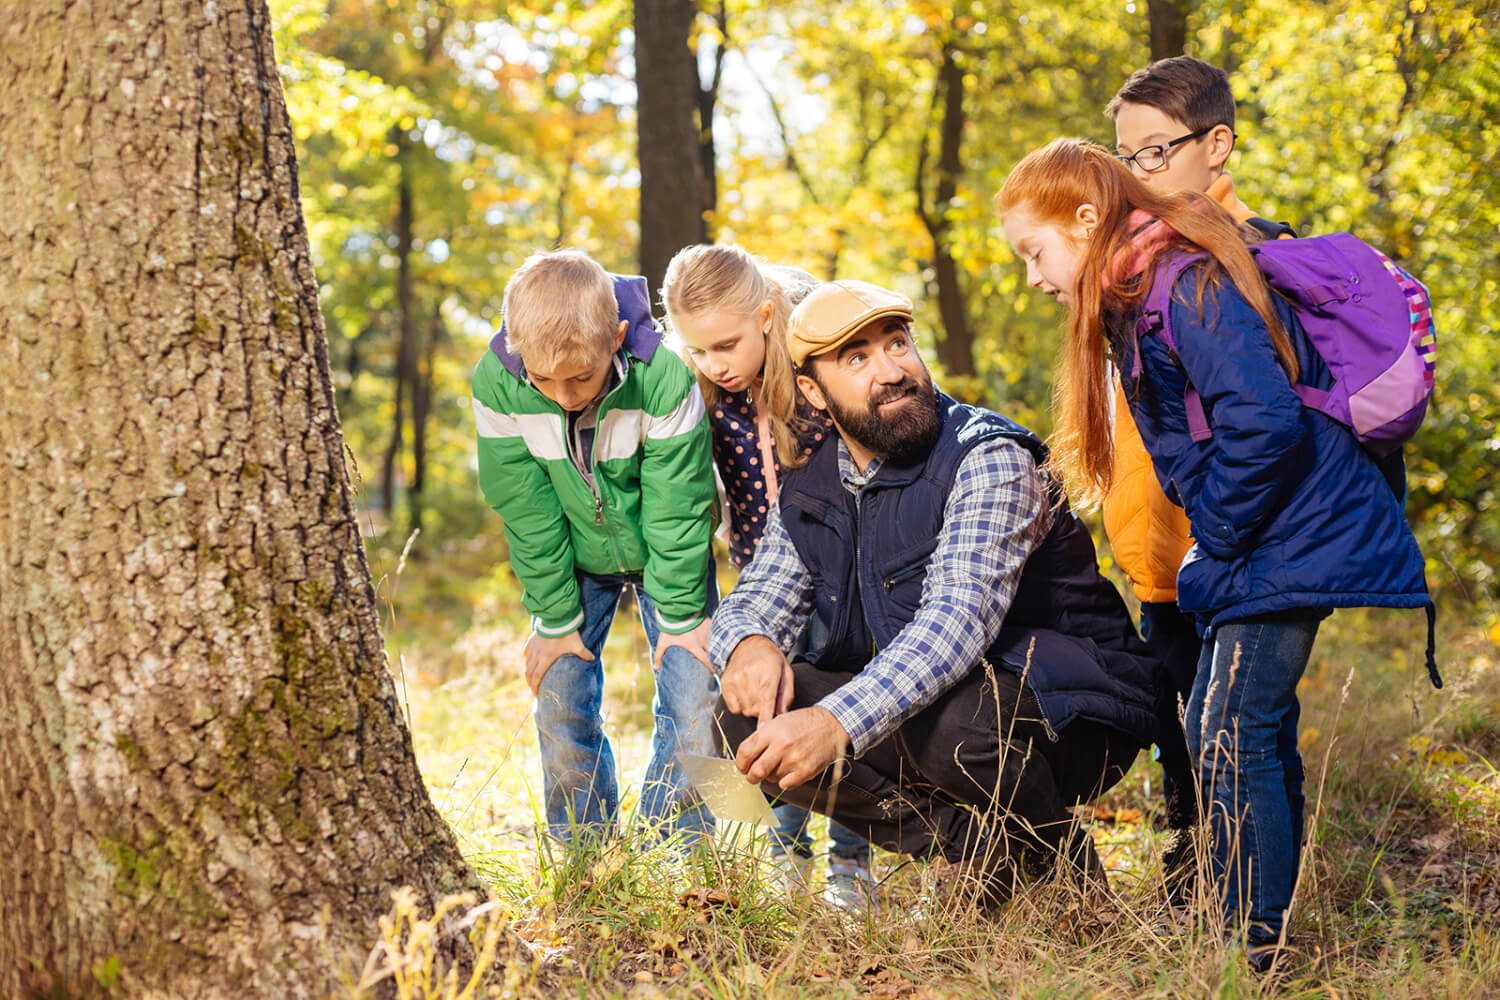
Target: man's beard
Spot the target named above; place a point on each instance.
(907, 435)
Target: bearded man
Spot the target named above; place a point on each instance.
(979, 677)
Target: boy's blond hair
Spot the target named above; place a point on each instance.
(560, 309)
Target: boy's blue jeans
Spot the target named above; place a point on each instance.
(578, 765)
(1242, 731)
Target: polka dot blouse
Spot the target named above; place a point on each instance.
(743, 446)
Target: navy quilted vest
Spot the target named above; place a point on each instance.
(868, 557)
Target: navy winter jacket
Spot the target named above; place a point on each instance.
(1288, 509)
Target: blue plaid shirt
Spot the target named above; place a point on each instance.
(995, 517)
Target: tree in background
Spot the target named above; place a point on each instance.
(669, 152)
(1168, 20)
(209, 786)
(1380, 119)
(956, 347)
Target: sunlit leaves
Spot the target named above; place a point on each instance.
(517, 124)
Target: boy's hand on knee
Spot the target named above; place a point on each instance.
(695, 641)
(542, 651)
(757, 680)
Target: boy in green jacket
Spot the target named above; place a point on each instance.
(594, 449)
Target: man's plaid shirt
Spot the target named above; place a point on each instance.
(996, 515)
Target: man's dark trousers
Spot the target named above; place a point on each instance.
(976, 777)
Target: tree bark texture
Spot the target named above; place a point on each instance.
(1168, 21)
(205, 779)
(666, 80)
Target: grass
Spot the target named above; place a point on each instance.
(1399, 896)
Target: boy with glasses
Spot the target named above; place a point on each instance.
(1174, 128)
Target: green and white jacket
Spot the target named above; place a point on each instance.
(650, 506)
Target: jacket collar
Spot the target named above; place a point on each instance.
(1222, 191)
(1148, 235)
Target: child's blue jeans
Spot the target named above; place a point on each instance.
(1242, 731)
(578, 765)
(791, 837)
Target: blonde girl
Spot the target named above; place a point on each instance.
(730, 309)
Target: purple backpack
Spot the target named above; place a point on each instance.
(1369, 320)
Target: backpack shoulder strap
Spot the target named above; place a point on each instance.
(1156, 320)
(1269, 229)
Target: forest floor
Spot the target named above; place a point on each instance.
(1399, 894)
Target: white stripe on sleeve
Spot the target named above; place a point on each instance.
(681, 420)
(543, 431)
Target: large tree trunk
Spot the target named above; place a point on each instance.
(205, 778)
(666, 81)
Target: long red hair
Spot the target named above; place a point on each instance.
(1050, 184)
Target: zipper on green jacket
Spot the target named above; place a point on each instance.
(609, 530)
(592, 481)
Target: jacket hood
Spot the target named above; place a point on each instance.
(642, 337)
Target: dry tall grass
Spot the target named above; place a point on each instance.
(1399, 895)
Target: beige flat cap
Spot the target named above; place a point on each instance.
(832, 313)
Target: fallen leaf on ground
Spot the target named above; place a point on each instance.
(702, 901)
(1435, 842)
(1101, 814)
(663, 942)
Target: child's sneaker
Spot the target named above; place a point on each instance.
(850, 885)
(795, 872)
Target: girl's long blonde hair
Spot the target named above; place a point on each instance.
(1050, 184)
(727, 278)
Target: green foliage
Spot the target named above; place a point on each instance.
(513, 129)
(106, 972)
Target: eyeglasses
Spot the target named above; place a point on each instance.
(1154, 158)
